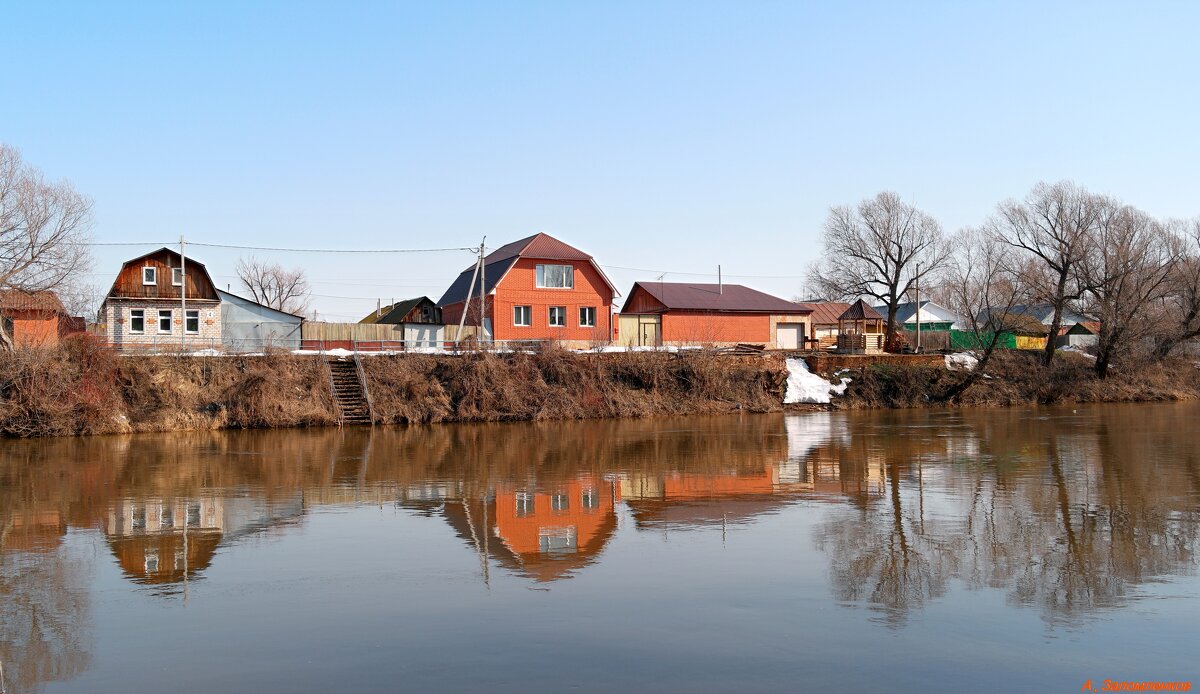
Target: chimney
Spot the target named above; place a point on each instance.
(720, 284)
(378, 308)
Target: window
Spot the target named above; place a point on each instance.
(555, 277)
(522, 315)
(193, 515)
(139, 518)
(151, 562)
(557, 540)
(192, 321)
(177, 276)
(587, 316)
(591, 500)
(558, 316)
(560, 502)
(166, 518)
(137, 320)
(164, 320)
(149, 275)
(524, 504)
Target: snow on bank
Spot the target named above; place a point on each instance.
(805, 386)
(962, 361)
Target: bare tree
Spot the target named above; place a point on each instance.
(1180, 314)
(44, 229)
(983, 285)
(1126, 271)
(273, 285)
(1056, 225)
(875, 250)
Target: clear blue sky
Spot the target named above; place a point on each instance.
(666, 136)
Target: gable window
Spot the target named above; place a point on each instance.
(164, 320)
(587, 316)
(522, 315)
(558, 316)
(137, 320)
(192, 321)
(149, 275)
(555, 277)
(177, 276)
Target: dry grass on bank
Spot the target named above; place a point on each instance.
(81, 388)
(556, 384)
(1019, 378)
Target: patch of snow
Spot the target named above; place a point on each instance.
(1075, 349)
(805, 386)
(961, 361)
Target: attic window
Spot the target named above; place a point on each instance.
(555, 277)
(149, 275)
(177, 276)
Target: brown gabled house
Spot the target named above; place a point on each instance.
(143, 307)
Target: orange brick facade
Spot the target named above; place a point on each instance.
(34, 328)
(519, 288)
(702, 328)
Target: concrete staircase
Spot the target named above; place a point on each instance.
(349, 392)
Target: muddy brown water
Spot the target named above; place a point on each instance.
(990, 550)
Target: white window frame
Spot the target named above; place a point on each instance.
(568, 278)
(141, 314)
(176, 277)
(528, 311)
(583, 310)
(169, 314)
(149, 275)
(187, 316)
(562, 315)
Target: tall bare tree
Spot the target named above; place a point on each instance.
(1056, 225)
(982, 283)
(875, 250)
(1127, 270)
(273, 285)
(1180, 314)
(44, 229)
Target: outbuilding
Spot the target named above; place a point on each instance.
(685, 313)
(250, 326)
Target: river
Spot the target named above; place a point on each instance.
(991, 550)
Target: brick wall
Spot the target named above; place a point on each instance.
(519, 288)
(116, 314)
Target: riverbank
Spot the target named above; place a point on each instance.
(81, 390)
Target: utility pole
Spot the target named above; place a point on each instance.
(482, 286)
(183, 295)
(918, 306)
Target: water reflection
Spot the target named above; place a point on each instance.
(1066, 513)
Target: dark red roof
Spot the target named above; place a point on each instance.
(827, 312)
(860, 311)
(17, 300)
(541, 246)
(690, 296)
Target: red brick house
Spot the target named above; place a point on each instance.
(685, 313)
(537, 288)
(34, 319)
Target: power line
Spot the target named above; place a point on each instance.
(280, 249)
(657, 272)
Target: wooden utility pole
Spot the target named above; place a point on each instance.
(918, 306)
(482, 287)
(183, 295)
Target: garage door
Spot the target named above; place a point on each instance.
(789, 335)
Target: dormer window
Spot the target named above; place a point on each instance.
(177, 276)
(555, 277)
(149, 275)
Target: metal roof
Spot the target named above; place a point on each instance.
(860, 311)
(496, 264)
(690, 296)
(400, 309)
(827, 312)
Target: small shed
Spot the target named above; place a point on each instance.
(860, 330)
(419, 321)
(248, 326)
(33, 319)
(1083, 334)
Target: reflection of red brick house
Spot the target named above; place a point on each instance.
(538, 288)
(685, 313)
(34, 319)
